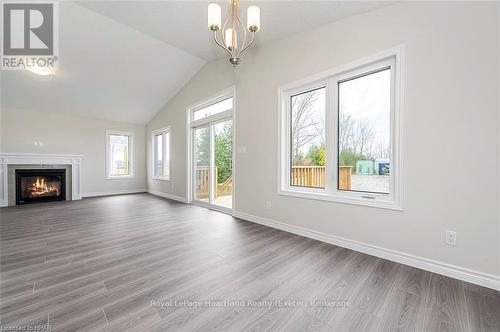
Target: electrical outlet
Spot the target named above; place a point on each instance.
(451, 238)
(269, 205)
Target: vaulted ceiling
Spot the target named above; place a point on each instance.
(123, 60)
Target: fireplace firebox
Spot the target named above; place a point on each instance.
(40, 185)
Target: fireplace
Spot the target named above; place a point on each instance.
(40, 185)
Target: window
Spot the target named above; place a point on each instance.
(161, 154)
(340, 135)
(219, 107)
(364, 121)
(119, 154)
(307, 128)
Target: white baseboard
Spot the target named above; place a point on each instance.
(169, 196)
(115, 192)
(453, 271)
(97, 194)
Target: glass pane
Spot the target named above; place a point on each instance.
(308, 139)
(221, 106)
(119, 148)
(223, 147)
(166, 158)
(159, 155)
(364, 133)
(40, 186)
(202, 163)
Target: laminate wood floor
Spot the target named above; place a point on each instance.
(140, 262)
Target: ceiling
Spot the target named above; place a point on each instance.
(184, 23)
(106, 70)
(123, 60)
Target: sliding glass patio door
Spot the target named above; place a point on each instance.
(212, 156)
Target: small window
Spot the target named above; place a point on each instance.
(119, 154)
(307, 128)
(221, 106)
(161, 154)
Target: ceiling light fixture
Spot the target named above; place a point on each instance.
(227, 36)
(43, 71)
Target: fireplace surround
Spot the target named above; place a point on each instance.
(40, 185)
(11, 161)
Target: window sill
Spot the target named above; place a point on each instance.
(161, 178)
(119, 177)
(344, 199)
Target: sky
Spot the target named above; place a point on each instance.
(366, 98)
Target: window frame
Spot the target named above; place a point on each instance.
(165, 148)
(330, 79)
(131, 148)
(207, 103)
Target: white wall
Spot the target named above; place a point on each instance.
(70, 134)
(450, 129)
(498, 108)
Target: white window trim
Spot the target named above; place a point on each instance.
(161, 131)
(393, 200)
(131, 147)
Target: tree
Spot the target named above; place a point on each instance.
(346, 127)
(223, 147)
(382, 151)
(202, 138)
(224, 152)
(355, 140)
(316, 155)
(303, 125)
(363, 137)
(350, 158)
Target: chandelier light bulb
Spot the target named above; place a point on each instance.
(214, 17)
(253, 18)
(229, 39)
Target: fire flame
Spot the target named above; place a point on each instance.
(41, 187)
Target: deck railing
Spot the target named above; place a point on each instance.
(225, 188)
(203, 183)
(308, 176)
(303, 176)
(314, 176)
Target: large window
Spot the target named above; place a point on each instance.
(161, 154)
(340, 135)
(119, 154)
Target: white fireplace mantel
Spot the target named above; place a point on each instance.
(41, 159)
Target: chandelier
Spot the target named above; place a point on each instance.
(226, 36)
